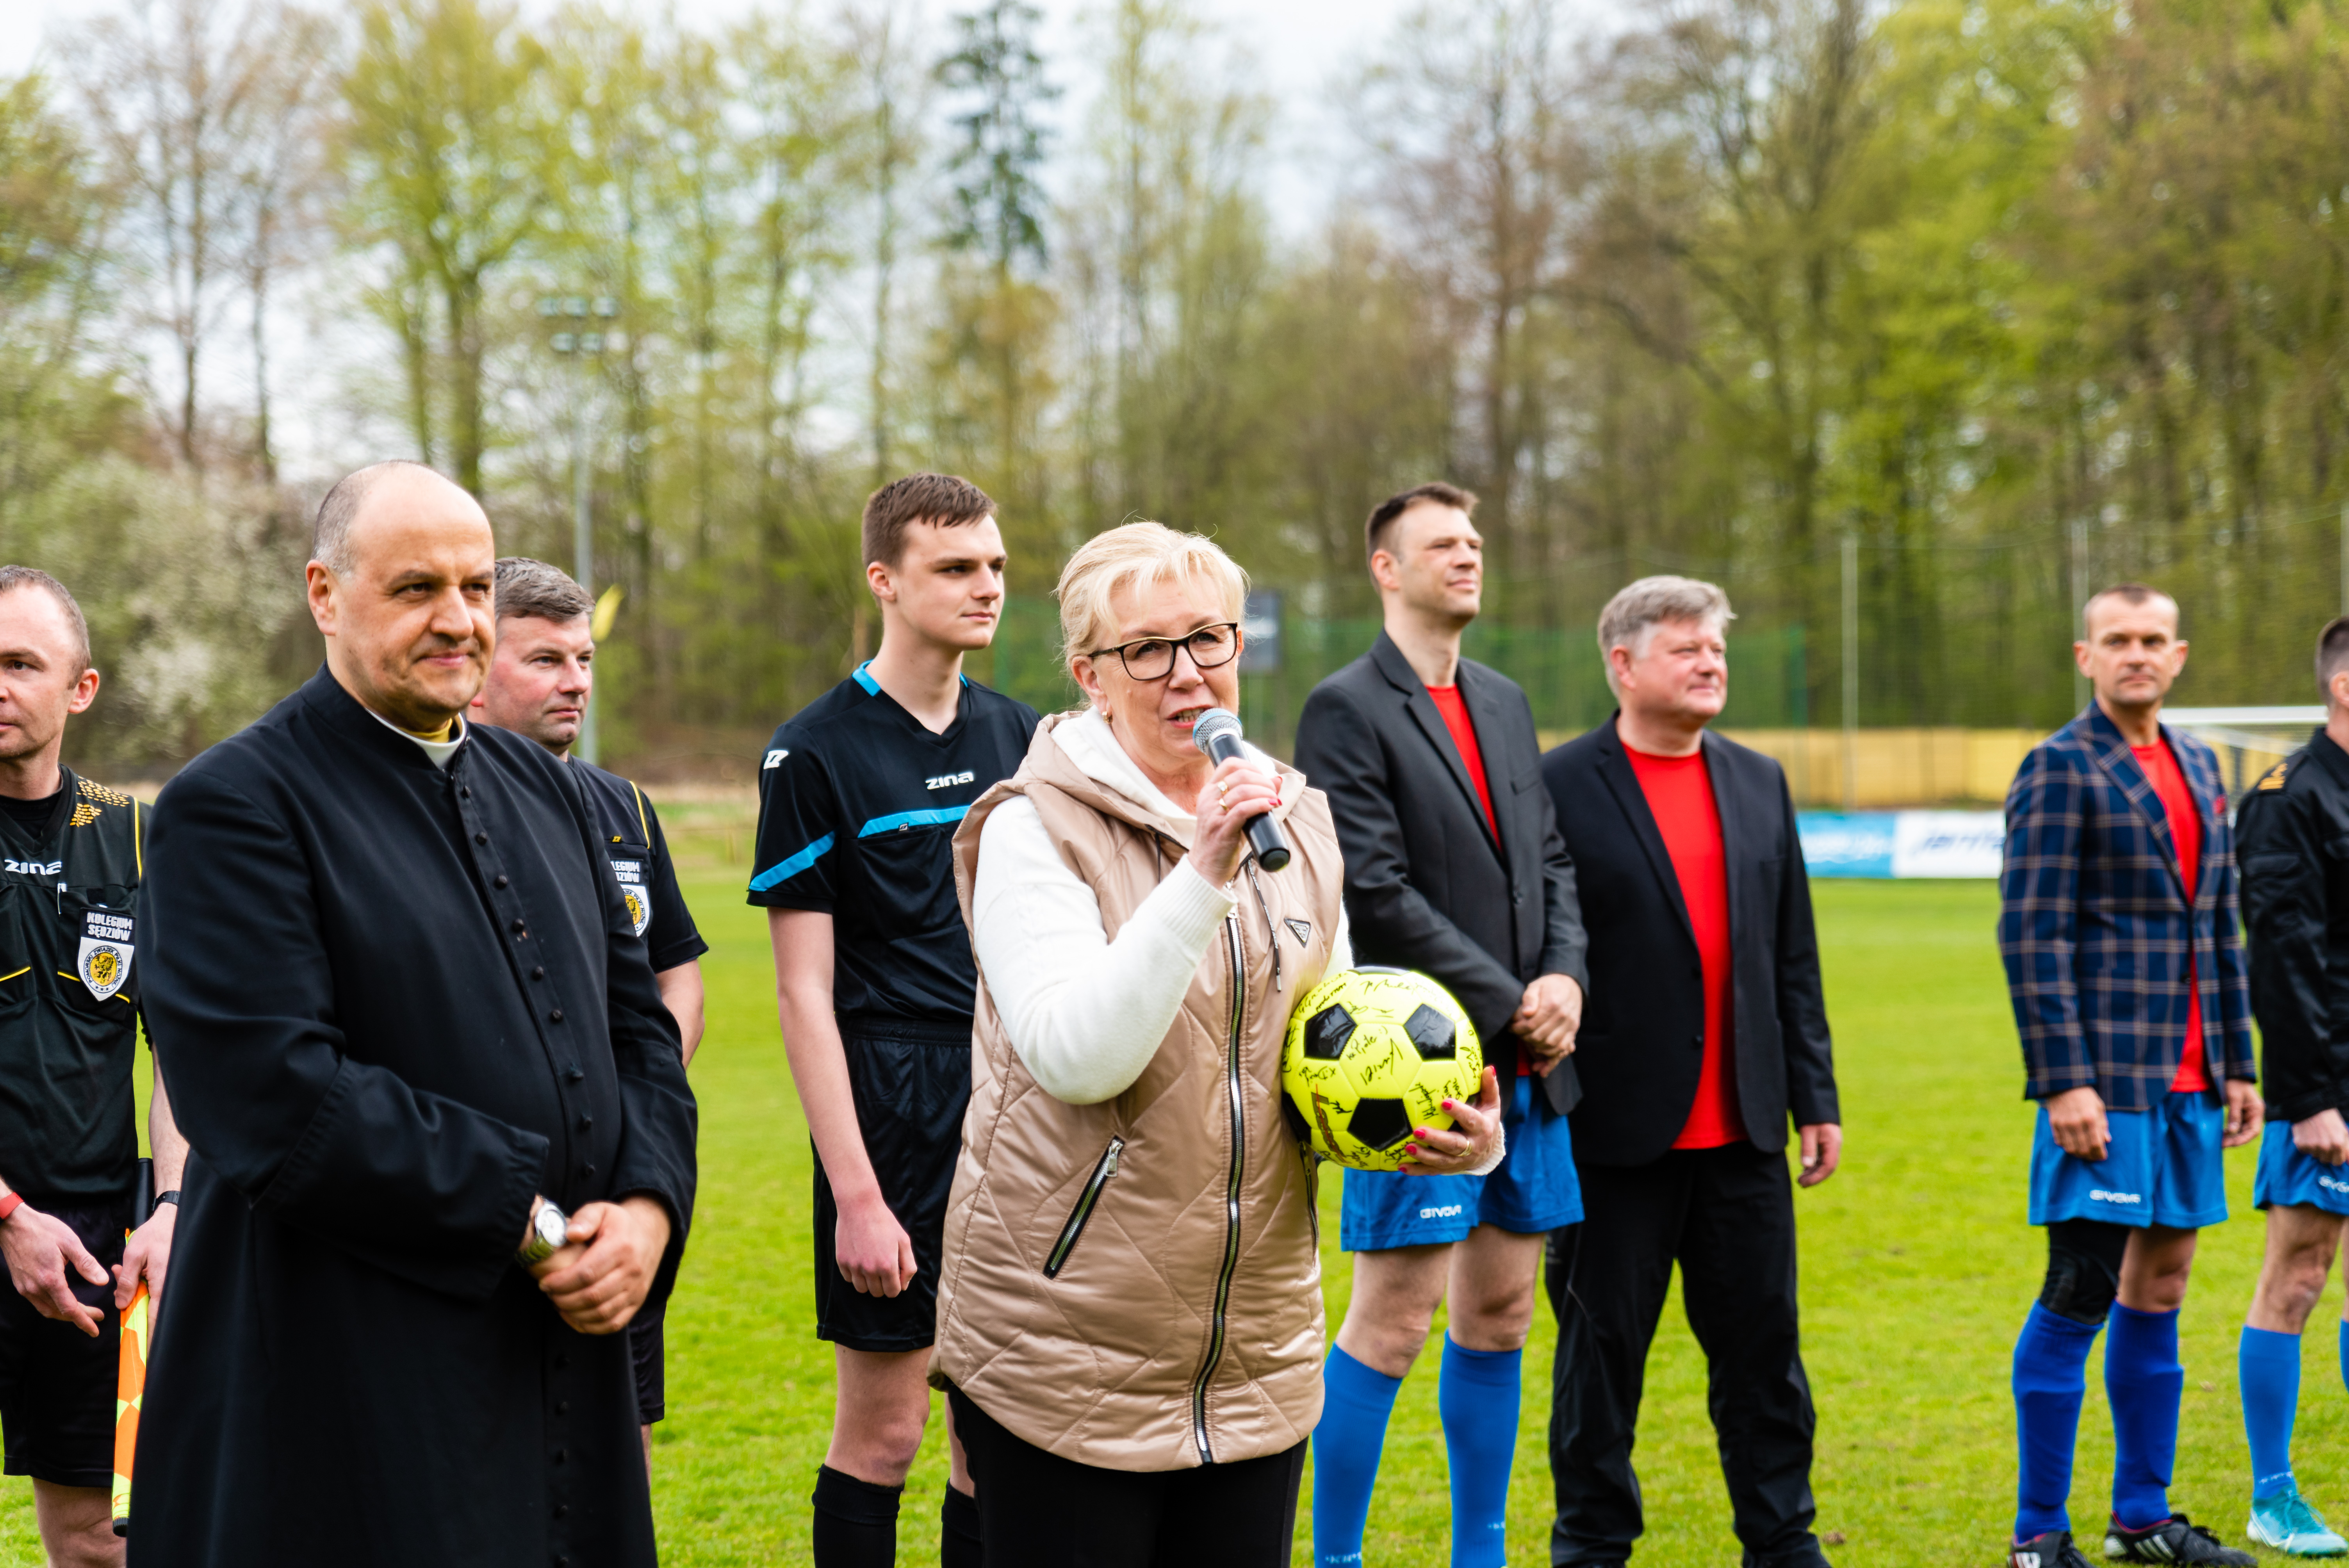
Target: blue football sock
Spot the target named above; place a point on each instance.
(2344, 1352)
(1355, 1404)
(2051, 1380)
(1477, 1397)
(2143, 1382)
(2267, 1365)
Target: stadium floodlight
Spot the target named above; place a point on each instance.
(557, 310)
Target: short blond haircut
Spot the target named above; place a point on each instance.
(1139, 555)
(1631, 617)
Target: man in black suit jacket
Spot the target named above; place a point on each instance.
(1706, 1035)
(1454, 868)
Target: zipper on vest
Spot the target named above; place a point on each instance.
(1102, 1171)
(1233, 1095)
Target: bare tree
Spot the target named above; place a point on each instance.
(283, 175)
(168, 89)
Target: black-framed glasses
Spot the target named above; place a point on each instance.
(1153, 658)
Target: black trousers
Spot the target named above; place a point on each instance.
(1040, 1511)
(1726, 1216)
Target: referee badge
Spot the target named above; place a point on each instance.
(105, 952)
(640, 897)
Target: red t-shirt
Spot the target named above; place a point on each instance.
(1679, 794)
(1463, 735)
(2168, 782)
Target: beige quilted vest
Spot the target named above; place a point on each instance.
(1135, 1285)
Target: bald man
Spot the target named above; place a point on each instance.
(442, 1141)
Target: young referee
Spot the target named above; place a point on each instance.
(541, 679)
(858, 798)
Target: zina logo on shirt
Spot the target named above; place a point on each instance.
(774, 759)
(105, 952)
(632, 888)
(948, 780)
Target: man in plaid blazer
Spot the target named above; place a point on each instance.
(2117, 924)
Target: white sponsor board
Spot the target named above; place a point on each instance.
(1902, 843)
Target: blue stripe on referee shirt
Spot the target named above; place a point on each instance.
(793, 867)
(912, 819)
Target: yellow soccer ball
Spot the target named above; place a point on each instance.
(1372, 1053)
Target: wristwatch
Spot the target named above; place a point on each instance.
(548, 1231)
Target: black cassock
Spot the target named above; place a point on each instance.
(391, 1004)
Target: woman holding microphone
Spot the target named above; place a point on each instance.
(1130, 1323)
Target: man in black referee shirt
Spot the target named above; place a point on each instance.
(539, 684)
(68, 1037)
(858, 798)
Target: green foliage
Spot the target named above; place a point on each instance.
(2019, 296)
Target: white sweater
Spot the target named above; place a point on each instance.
(1084, 1013)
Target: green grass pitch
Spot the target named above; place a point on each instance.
(1916, 1268)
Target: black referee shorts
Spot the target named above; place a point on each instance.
(56, 1383)
(911, 1084)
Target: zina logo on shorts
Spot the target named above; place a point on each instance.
(2099, 1195)
(105, 952)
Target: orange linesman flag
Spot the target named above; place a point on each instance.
(129, 1386)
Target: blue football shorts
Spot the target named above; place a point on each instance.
(2162, 1167)
(2290, 1177)
(1533, 1190)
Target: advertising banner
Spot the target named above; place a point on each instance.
(1901, 844)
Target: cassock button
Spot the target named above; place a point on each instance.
(561, 1509)
(563, 1406)
(480, 837)
(561, 1454)
(585, 1122)
(554, 1016)
(499, 881)
(591, 1170)
(464, 794)
(1697, 1042)
(519, 928)
(538, 973)
(575, 1075)
(561, 1362)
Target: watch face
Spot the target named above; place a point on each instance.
(551, 1224)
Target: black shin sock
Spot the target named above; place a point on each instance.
(958, 1543)
(855, 1522)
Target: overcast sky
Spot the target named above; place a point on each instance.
(1298, 42)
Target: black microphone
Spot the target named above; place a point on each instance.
(1217, 733)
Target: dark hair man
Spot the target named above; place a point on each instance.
(1707, 1035)
(1454, 868)
(444, 1148)
(540, 682)
(2116, 920)
(2296, 913)
(858, 797)
(68, 1040)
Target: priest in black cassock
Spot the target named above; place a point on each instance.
(443, 1145)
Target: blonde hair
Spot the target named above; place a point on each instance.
(1139, 555)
